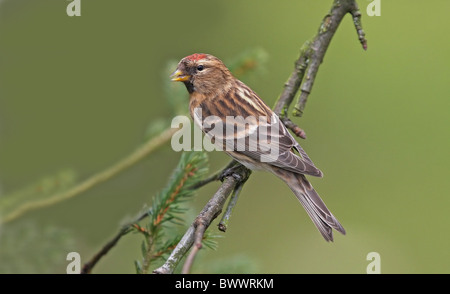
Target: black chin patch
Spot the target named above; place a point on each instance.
(189, 86)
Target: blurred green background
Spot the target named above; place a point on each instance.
(79, 93)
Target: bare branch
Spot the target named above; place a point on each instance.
(231, 204)
(294, 128)
(312, 54)
(88, 266)
(356, 14)
(200, 229)
(293, 84)
(319, 45)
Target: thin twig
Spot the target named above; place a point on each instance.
(312, 54)
(293, 84)
(354, 10)
(200, 229)
(215, 177)
(212, 178)
(88, 266)
(294, 128)
(201, 226)
(319, 45)
(223, 224)
(96, 179)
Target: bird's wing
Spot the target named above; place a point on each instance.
(271, 142)
(261, 138)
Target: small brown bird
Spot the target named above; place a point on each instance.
(255, 137)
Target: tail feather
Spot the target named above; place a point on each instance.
(311, 201)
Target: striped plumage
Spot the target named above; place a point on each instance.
(215, 94)
(231, 103)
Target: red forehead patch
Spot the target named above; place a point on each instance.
(196, 56)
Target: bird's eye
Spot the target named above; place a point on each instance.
(200, 67)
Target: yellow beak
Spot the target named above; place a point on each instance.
(179, 76)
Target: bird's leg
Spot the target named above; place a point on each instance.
(236, 170)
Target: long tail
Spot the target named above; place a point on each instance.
(311, 201)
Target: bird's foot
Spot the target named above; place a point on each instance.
(237, 171)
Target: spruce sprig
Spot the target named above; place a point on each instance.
(167, 207)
